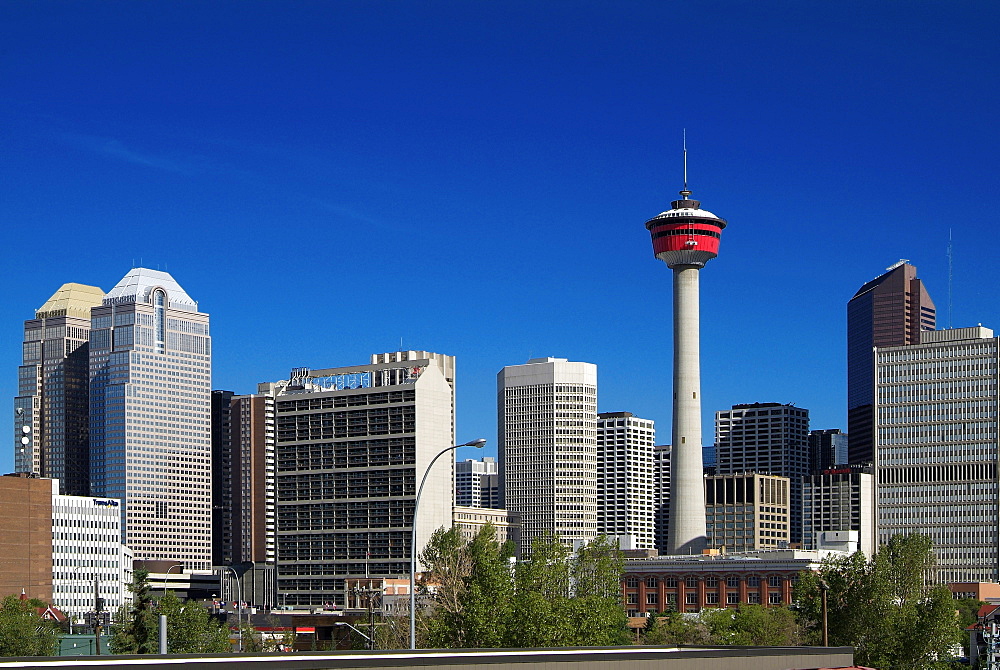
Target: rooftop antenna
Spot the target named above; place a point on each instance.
(685, 192)
(949, 277)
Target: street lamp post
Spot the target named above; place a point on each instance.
(239, 607)
(166, 575)
(478, 444)
(823, 589)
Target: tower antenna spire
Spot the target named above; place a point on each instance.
(685, 192)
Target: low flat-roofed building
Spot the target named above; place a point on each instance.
(988, 592)
(693, 583)
(471, 519)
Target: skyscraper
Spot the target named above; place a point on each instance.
(936, 449)
(827, 448)
(51, 409)
(661, 512)
(839, 500)
(352, 446)
(685, 238)
(150, 428)
(626, 478)
(547, 420)
(223, 535)
(888, 311)
(477, 483)
(253, 476)
(768, 438)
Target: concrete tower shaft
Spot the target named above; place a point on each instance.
(685, 238)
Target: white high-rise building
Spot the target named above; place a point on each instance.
(626, 481)
(150, 416)
(547, 411)
(936, 450)
(477, 483)
(352, 445)
(88, 559)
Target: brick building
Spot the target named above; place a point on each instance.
(690, 584)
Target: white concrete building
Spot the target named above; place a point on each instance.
(936, 449)
(150, 416)
(626, 478)
(839, 499)
(352, 444)
(86, 543)
(477, 483)
(547, 422)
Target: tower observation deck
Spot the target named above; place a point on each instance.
(686, 234)
(685, 238)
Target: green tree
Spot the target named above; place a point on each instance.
(487, 605)
(884, 607)
(596, 605)
(564, 601)
(135, 630)
(448, 566)
(555, 599)
(23, 632)
(190, 629)
(752, 625)
(541, 590)
(673, 629)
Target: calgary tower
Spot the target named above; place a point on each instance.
(685, 238)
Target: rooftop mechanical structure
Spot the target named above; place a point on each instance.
(685, 238)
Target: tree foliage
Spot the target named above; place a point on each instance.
(135, 630)
(752, 625)
(555, 599)
(23, 632)
(674, 629)
(884, 607)
(190, 629)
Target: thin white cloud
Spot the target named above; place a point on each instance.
(115, 149)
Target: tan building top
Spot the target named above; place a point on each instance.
(71, 300)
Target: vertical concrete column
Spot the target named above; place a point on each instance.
(686, 533)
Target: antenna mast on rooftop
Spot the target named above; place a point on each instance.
(685, 192)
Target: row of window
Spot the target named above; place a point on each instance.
(711, 581)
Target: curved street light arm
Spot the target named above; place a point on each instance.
(478, 444)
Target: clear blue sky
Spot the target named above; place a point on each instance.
(328, 178)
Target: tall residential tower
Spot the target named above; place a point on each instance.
(626, 479)
(685, 238)
(150, 409)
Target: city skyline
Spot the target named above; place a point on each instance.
(381, 151)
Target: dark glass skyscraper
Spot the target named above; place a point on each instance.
(888, 311)
(51, 408)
